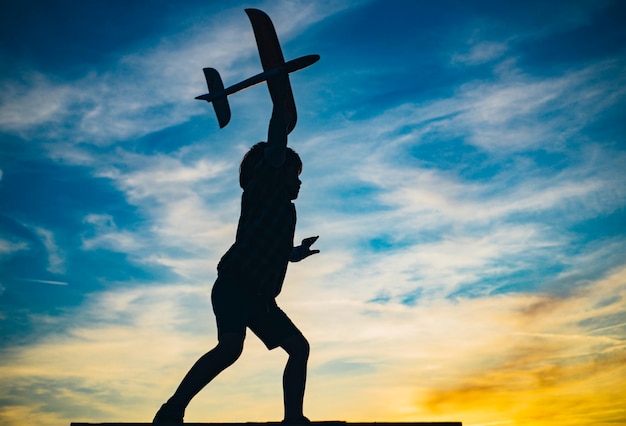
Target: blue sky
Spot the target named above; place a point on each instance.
(464, 166)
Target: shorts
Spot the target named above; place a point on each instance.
(235, 310)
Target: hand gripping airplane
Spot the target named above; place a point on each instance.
(273, 64)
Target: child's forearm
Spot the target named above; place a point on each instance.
(276, 140)
(277, 133)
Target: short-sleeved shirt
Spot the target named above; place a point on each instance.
(259, 257)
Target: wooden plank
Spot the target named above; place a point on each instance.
(323, 423)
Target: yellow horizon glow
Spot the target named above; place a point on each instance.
(509, 359)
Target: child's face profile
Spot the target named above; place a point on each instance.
(293, 181)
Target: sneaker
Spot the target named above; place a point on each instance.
(169, 414)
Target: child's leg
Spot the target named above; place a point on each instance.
(294, 377)
(207, 367)
(203, 371)
(275, 329)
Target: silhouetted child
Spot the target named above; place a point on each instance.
(251, 273)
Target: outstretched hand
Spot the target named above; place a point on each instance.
(304, 250)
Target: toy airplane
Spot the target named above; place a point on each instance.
(273, 63)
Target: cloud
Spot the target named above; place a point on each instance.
(186, 206)
(451, 230)
(480, 53)
(106, 235)
(38, 238)
(514, 113)
(555, 348)
(24, 105)
(56, 257)
(10, 247)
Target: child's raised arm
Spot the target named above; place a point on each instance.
(277, 133)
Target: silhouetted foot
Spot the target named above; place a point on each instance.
(296, 420)
(169, 414)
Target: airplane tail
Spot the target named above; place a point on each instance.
(220, 100)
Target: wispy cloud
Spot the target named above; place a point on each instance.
(8, 247)
(480, 53)
(56, 257)
(186, 217)
(451, 230)
(24, 106)
(106, 235)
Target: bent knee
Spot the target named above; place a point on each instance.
(297, 346)
(231, 346)
(306, 348)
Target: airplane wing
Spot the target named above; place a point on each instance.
(272, 57)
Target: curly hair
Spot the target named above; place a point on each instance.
(255, 154)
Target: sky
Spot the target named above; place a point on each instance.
(464, 167)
